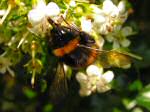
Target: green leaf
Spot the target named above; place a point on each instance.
(143, 99)
(116, 110)
(129, 104)
(136, 85)
(43, 85)
(29, 93)
(48, 108)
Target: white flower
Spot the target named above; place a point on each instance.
(109, 17)
(87, 83)
(42, 10)
(52, 9)
(5, 64)
(109, 8)
(72, 3)
(86, 24)
(2, 12)
(38, 16)
(41, 28)
(35, 16)
(119, 37)
(94, 80)
(103, 83)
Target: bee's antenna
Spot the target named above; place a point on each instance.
(52, 22)
(87, 47)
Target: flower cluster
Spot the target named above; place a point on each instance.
(109, 17)
(108, 21)
(38, 16)
(94, 80)
(118, 37)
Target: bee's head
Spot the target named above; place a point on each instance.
(86, 39)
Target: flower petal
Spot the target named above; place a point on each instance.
(86, 25)
(84, 92)
(125, 42)
(127, 31)
(81, 77)
(94, 70)
(108, 76)
(109, 38)
(100, 19)
(41, 5)
(52, 9)
(72, 3)
(121, 7)
(108, 6)
(102, 86)
(35, 16)
(116, 44)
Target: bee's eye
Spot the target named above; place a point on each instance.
(86, 38)
(91, 40)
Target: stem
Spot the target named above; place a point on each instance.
(33, 78)
(23, 39)
(6, 14)
(33, 63)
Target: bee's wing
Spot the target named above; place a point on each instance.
(59, 89)
(111, 58)
(114, 59)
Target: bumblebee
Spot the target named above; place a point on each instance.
(68, 43)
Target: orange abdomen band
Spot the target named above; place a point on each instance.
(67, 48)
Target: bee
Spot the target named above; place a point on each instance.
(78, 49)
(68, 43)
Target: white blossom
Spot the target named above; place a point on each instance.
(2, 12)
(94, 80)
(42, 10)
(109, 16)
(72, 3)
(86, 25)
(38, 16)
(35, 16)
(5, 64)
(52, 9)
(119, 37)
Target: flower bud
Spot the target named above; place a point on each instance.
(52, 9)
(35, 16)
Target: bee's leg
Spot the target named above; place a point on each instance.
(62, 17)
